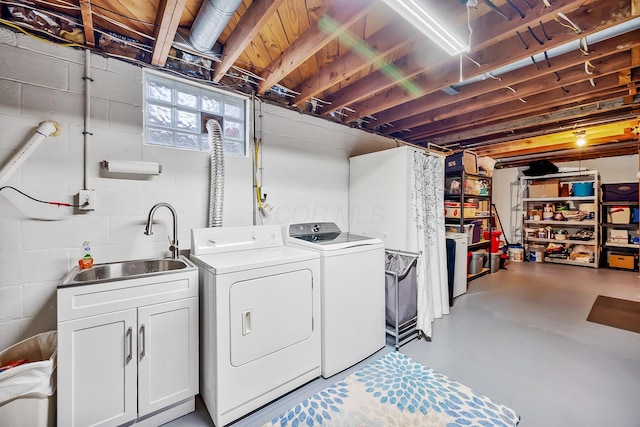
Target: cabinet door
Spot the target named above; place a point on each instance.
(97, 370)
(167, 354)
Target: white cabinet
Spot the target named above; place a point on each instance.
(128, 350)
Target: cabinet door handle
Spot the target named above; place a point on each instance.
(143, 338)
(129, 355)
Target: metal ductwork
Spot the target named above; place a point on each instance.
(211, 20)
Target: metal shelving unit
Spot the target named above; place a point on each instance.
(571, 226)
(463, 197)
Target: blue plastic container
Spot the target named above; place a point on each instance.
(582, 189)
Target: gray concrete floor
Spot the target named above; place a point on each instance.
(520, 336)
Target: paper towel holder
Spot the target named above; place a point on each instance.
(131, 167)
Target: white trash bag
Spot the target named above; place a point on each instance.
(33, 379)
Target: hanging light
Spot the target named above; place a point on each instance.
(581, 138)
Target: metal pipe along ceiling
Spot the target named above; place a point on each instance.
(211, 20)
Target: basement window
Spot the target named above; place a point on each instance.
(176, 113)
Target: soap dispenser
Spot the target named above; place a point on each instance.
(86, 259)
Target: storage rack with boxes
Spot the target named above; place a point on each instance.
(560, 218)
(467, 199)
(619, 226)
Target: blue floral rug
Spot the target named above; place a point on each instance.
(395, 390)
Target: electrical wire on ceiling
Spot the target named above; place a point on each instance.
(28, 34)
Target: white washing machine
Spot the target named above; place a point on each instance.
(260, 317)
(352, 292)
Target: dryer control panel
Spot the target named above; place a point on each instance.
(226, 239)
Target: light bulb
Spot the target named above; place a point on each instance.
(581, 141)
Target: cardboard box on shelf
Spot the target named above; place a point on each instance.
(466, 161)
(452, 210)
(544, 188)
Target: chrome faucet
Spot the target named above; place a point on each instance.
(173, 244)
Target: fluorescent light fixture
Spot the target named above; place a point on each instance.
(417, 15)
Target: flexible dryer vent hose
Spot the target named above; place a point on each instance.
(216, 185)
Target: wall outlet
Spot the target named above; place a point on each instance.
(87, 200)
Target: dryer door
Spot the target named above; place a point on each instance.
(269, 313)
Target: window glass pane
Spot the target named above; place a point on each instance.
(233, 109)
(212, 104)
(187, 120)
(159, 115)
(232, 147)
(159, 90)
(233, 130)
(186, 97)
(204, 143)
(185, 140)
(159, 137)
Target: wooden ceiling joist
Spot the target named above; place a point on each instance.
(371, 51)
(508, 51)
(408, 111)
(167, 21)
(342, 15)
(87, 22)
(604, 66)
(250, 24)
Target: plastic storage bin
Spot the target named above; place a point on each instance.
(619, 215)
(27, 391)
(477, 261)
(620, 192)
(583, 189)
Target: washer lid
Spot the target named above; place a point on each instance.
(231, 262)
(325, 236)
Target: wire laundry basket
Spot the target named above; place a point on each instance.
(401, 296)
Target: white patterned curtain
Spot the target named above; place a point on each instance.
(428, 205)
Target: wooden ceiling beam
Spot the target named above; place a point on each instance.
(595, 135)
(442, 74)
(576, 93)
(600, 106)
(339, 18)
(505, 53)
(613, 148)
(469, 92)
(371, 51)
(87, 22)
(254, 19)
(539, 121)
(167, 21)
(604, 66)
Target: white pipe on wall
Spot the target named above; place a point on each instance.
(48, 128)
(87, 114)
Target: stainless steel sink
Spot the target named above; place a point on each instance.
(126, 270)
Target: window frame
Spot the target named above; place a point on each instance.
(237, 100)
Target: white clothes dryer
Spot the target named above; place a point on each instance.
(352, 292)
(260, 310)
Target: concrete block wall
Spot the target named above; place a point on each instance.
(305, 166)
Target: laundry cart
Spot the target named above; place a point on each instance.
(401, 296)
